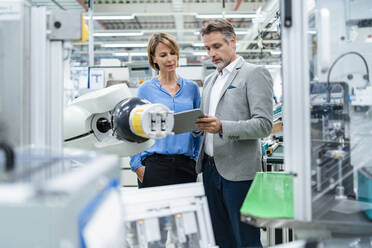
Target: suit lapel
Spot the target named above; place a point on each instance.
(207, 93)
(231, 78)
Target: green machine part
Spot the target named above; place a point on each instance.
(270, 196)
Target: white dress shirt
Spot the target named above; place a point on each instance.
(215, 98)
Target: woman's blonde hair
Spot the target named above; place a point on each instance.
(166, 39)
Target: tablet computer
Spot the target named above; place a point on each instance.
(185, 121)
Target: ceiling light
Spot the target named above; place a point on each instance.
(124, 45)
(272, 66)
(198, 44)
(236, 32)
(118, 34)
(275, 52)
(241, 16)
(214, 16)
(131, 54)
(120, 54)
(202, 44)
(111, 17)
(199, 53)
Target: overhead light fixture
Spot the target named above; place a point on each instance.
(198, 44)
(215, 16)
(117, 34)
(275, 52)
(236, 32)
(131, 54)
(199, 53)
(111, 17)
(124, 45)
(272, 66)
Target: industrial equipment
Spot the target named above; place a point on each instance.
(327, 137)
(364, 242)
(208, 68)
(61, 200)
(179, 212)
(138, 73)
(110, 120)
(67, 198)
(33, 52)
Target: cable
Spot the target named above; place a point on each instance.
(366, 77)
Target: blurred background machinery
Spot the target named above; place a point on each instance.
(325, 191)
(167, 216)
(64, 199)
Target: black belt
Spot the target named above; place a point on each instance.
(210, 159)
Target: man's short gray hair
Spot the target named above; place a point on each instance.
(220, 25)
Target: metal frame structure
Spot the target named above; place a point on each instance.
(179, 18)
(296, 112)
(33, 57)
(46, 83)
(324, 166)
(39, 65)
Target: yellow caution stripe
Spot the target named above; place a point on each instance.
(136, 123)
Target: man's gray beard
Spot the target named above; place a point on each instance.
(221, 65)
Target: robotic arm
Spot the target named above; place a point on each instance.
(110, 120)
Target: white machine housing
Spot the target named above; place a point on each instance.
(81, 116)
(181, 210)
(61, 201)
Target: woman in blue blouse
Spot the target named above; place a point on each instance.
(172, 159)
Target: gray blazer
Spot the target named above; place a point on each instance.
(245, 109)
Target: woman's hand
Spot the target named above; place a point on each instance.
(140, 171)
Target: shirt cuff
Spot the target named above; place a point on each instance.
(135, 162)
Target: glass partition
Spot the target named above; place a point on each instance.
(339, 35)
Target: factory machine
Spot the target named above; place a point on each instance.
(59, 179)
(110, 119)
(50, 196)
(176, 216)
(330, 134)
(208, 68)
(340, 133)
(73, 199)
(138, 73)
(68, 199)
(327, 188)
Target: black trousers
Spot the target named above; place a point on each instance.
(167, 170)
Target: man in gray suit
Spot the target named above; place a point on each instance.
(238, 107)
